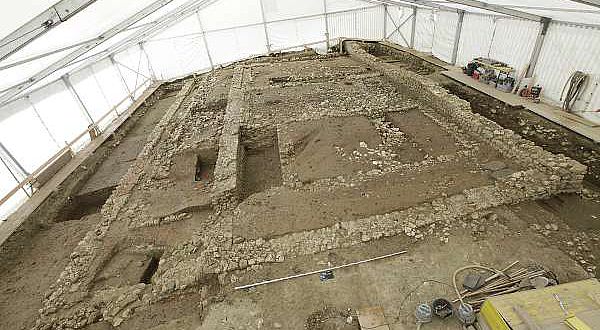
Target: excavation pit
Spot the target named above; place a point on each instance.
(126, 268)
(345, 159)
(261, 168)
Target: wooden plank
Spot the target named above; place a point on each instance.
(22, 214)
(570, 121)
(543, 308)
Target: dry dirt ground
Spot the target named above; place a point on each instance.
(317, 134)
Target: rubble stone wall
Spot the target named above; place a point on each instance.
(87, 250)
(568, 171)
(227, 167)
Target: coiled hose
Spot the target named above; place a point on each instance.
(577, 83)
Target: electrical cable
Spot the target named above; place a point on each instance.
(577, 83)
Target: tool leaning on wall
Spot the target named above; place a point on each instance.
(576, 83)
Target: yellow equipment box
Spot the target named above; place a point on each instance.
(542, 309)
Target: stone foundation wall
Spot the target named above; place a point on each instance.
(215, 252)
(227, 167)
(84, 255)
(559, 167)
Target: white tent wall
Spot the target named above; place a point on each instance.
(570, 48)
(505, 39)
(424, 30)
(24, 135)
(476, 38)
(133, 66)
(180, 49)
(443, 36)
(61, 113)
(513, 41)
(398, 25)
(231, 45)
(230, 30)
(365, 23)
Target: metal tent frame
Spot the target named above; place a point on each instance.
(81, 58)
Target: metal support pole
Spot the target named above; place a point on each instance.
(78, 99)
(116, 65)
(413, 28)
(94, 74)
(150, 68)
(14, 160)
(19, 167)
(33, 107)
(385, 18)
(326, 24)
(14, 176)
(461, 16)
(212, 65)
(537, 48)
(264, 22)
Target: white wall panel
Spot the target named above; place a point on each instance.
(175, 57)
(513, 41)
(399, 17)
(443, 36)
(296, 32)
(425, 27)
(232, 45)
(339, 5)
(567, 49)
(362, 23)
(134, 66)
(23, 134)
(90, 91)
(476, 38)
(12, 204)
(60, 112)
(231, 13)
(285, 9)
(110, 82)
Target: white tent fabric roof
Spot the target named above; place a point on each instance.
(560, 10)
(53, 113)
(103, 14)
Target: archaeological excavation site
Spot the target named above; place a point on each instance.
(334, 165)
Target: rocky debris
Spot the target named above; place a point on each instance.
(331, 318)
(509, 144)
(88, 250)
(579, 245)
(502, 173)
(121, 302)
(494, 166)
(213, 253)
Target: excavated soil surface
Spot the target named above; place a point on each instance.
(309, 133)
